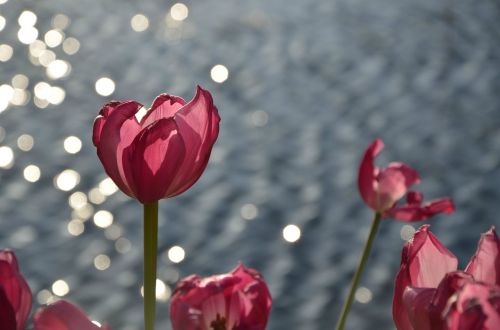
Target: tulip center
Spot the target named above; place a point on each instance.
(219, 323)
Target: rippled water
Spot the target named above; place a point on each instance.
(302, 89)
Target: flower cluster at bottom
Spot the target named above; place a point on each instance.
(235, 301)
(430, 293)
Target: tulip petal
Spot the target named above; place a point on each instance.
(368, 172)
(63, 315)
(15, 287)
(147, 168)
(485, 264)
(114, 131)
(416, 301)
(415, 212)
(7, 314)
(164, 106)
(424, 262)
(393, 183)
(198, 123)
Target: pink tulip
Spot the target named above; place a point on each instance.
(430, 294)
(62, 315)
(239, 300)
(381, 189)
(164, 153)
(15, 294)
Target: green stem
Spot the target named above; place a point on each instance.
(150, 247)
(359, 271)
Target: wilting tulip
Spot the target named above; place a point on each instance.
(239, 300)
(430, 294)
(381, 189)
(164, 153)
(15, 294)
(62, 315)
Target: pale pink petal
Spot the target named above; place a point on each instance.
(153, 160)
(424, 263)
(393, 183)
(415, 212)
(101, 119)
(117, 133)
(485, 264)
(368, 172)
(417, 301)
(15, 287)
(62, 315)
(164, 106)
(198, 123)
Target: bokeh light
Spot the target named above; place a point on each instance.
(71, 46)
(25, 142)
(32, 173)
(6, 157)
(139, 23)
(53, 38)
(102, 262)
(103, 219)
(67, 180)
(6, 52)
(105, 86)
(219, 73)
(179, 11)
(60, 288)
(291, 233)
(72, 144)
(176, 254)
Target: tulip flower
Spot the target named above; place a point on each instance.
(15, 294)
(164, 153)
(239, 300)
(381, 189)
(159, 156)
(62, 315)
(430, 294)
(15, 304)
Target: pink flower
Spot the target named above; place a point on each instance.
(15, 304)
(62, 315)
(164, 153)
(381, 189)
(239, 300)
(15, 294)
(430, 294)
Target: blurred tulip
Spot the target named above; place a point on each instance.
(431, 294)
(381, 189)
(239, 300)
(15, 294)
(62, 315)
(164, 153)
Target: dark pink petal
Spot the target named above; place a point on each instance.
(153, 160)
(417, 302)
(415, 212)
(7, 314)
(485, 264)
(198, 123)
(368, 173)
(164, 106)
(62, 315)
(393, 183)
(15, 287)
(114, 131)
(424, 263)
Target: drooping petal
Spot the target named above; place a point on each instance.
(424, 263)
(198, 123)
(417, 302)
(15, 287)
(153, 160)
(7, 314)
(63, 315)
(113, 133)
(392, 184)
(368, 172)
(485, 264)
(415, 212)
(164, 106)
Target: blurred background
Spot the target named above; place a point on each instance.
(302, 89)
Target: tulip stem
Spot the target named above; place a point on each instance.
(359, 271)
(150, 247)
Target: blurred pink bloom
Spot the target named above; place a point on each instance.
(381, 189)
(15, 304)
(164, 153)
(239, 300)
(15, 294)
(430, 294)
(62, 315)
